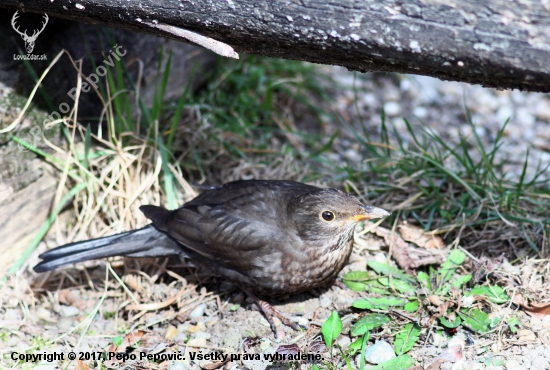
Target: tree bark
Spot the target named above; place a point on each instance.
(502, 44)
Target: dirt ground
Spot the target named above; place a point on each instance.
(193, 311)
(160, 307)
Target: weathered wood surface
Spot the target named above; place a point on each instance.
(502, 44)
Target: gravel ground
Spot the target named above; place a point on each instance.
(442, 107)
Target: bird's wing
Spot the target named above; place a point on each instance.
(231, 226)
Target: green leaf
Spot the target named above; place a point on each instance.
(448, 268)
(399, 285)
(369, 322)
(331, 328)
(357, 281)
(117, 340)
(363, 346)
(358, 276)
(356, 286)
(495, 293)
(412, 306)
(450, 324)
(457, 257)
(461, 280)
(424, 280)
(385, 269)
(406, 338)
(379, 303)
(443, 289)
(514, 323)
(376, 290)
(476, 319)
(494, 321)
(356, 345)
(402, 362)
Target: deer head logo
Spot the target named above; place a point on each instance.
(29, 40)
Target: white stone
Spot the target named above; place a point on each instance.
(392, 108)
(420, 112)
(379, 352)
(198, 311)
(202, 334)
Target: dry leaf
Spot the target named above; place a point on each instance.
(71, 298)
(407, 256)
(171, 332)
(451, 354)
(216, 365)
(80, 365)
(538, 311)
(436, 300)
(418, 236)
(526, 335)
(129, 340)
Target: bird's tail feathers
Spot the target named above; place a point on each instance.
(144, 242)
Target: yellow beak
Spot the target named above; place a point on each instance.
(369, 214)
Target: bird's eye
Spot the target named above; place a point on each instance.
(327, 215)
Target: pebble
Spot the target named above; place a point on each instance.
(526, 335)
(181, 337)
(300, 320)
(472, 365)
(512, 364)
(265, 344)
(197, 342)
(536, 324)
(44, 314)
(259, 364)
(12, 315)
(196, 328)
(182, 328)
(203, 334)
(366, 365)
(392, 108)
(178, 366)
(344, 342)
(325, 302)
(211, 321)
(438, 340)
(420, 112)
(68, 311)
(204, 363)
(459, 365)
(47, 366)
(541, 362)
(370, 100)
(353, 155)
(379, 352)
(198, 311)
(380, 257)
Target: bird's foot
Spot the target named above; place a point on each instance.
(339, 284)
(270, 313)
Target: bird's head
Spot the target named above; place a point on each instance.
(327, 214)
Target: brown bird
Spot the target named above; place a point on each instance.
(269, 238)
